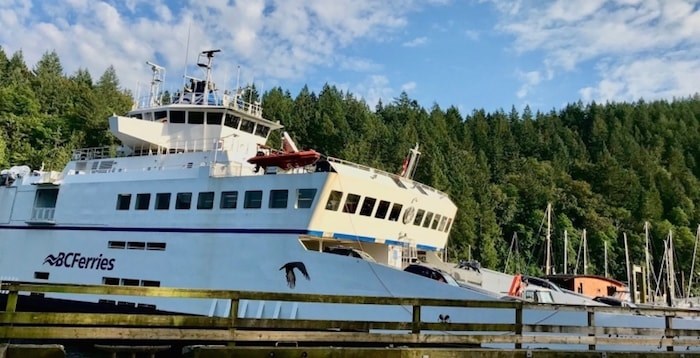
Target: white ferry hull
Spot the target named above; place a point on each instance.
(223, 261)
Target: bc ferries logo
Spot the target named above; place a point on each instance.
(77, 260)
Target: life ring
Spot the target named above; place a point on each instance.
(516, 286)
(409, 215)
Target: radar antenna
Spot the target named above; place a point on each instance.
(154, 97)
(204, 61)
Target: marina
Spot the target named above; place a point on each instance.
(194, 231)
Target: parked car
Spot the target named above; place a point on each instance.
(349, 251)
(431, 272)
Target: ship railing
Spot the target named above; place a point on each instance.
(394, 177)
(672, 328)
(235, 101)
(42, 215)
(238, 103)
(94, 153)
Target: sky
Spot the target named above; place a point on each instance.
(471, 54)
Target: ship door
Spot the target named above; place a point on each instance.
(44, 206)
(7, 202)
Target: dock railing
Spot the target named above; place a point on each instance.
(52, 326)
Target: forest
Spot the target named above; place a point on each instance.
(607, 168)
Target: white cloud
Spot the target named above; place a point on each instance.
(620, 36)
(270, 39)
(529, 80)
(418, 41)
(373, 89)
(408, 86)
(472, 34)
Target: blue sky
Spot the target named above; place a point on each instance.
(472, 54)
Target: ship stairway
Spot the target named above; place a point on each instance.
(409, 254)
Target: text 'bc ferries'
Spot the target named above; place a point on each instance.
(194, 198)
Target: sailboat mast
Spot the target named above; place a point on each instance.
(566, 246)
(605, 257)
(670, 273)
(627, 267)
(585, 255)
(548, 264)
(647, 261)
(692, 265)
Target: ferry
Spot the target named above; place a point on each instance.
(193, 197)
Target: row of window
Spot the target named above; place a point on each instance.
(114, 281)
(252, 199)
(210, 118)
(422, 218)
(137, 245)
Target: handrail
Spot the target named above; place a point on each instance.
(384, 173)
(35, 325)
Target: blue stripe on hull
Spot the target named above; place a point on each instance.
(161, 229)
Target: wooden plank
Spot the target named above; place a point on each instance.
(113, 333)
(415, 323)
(297, 297)
(11, 304)
(111, 319)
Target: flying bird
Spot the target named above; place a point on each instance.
(289, 270)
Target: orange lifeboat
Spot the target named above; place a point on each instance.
(287, 159)
(284, 160)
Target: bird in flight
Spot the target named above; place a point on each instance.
(289, 270)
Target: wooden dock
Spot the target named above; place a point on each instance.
(234, 336)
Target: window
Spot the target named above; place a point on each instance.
(162, 201)
(252, 199)
(138, 116)
(333, 202)
(442, 223)
(228, 199)
(135, 245)
(382, 209)
(41, 275)
(262, 130)
(110, 281)
(436, 220)
(367, 206)
(278, 199)
(160, 115)
(155, 246)
(123, 201)
(351, 203)
(116, 244)
(183, 201)
(177, 116)
(205, 200)
(419, 217)
(449, 222)
(195, 117)
(214, 118)
(143, 201)
(305, 197)
(395, 212)
(231, 121)
(149, 283)
(130, 282)
(247, 126)
(428, 218)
